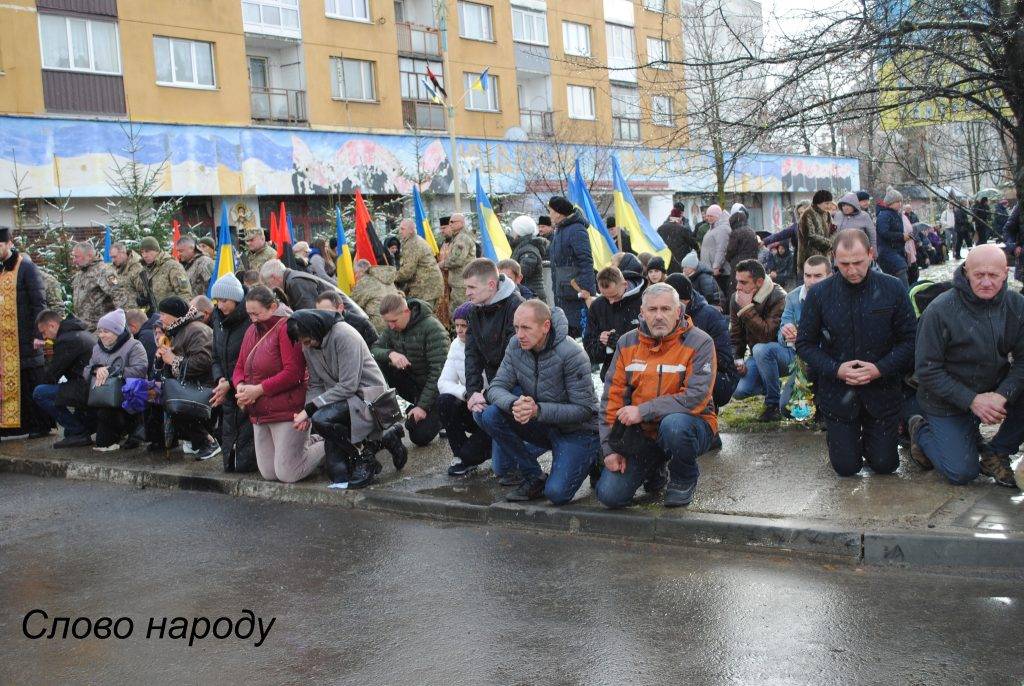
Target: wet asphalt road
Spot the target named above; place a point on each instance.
(367, 599)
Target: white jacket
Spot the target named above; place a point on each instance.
(453, 377)
(948, 219)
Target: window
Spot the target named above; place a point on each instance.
(662, 111)
(413, 74)
(181, 62)
(78, 44)
(655, 5)
(581, 102)
(475, 21)
(529, 27)
(353, 80)
(626, 113)
(621, 52)
(484, 101)
(356, 10)
(576, 39)
(657, 53)
(273, 13)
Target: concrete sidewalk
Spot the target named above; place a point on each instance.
(771, 491)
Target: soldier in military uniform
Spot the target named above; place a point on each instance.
(418, 274)
(54, 292)
(372, 284)
(197, 265)
(95, 288)
(128, 266)
(208, 247)
(458, 250)
(163, 277)
(260, 252)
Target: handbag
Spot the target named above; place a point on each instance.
(108, 395)
(187, 399)
(384, 410)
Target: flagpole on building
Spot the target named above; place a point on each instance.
(442, 11)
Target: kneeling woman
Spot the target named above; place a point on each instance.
(269, 381)
(116, 354)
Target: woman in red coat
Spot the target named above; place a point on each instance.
(270, 385)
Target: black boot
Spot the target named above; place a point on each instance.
(392, 440)
(365, 469)
(337, 463)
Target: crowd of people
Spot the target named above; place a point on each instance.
(281, 372)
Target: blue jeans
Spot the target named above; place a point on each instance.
(682, 438)
(951, 443)
(572, 453)
(45, 396)
(768, 363)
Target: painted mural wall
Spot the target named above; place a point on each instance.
(210, 160)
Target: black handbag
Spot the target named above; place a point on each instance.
(384, 410)
(187, 399)
(108, 395)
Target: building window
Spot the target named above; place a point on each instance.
(181, 62)
(413, 75)
(576, 39)
(353, 80)
(475, 21)
(657, 53)
(621, 52)
(662, 111)
(486, 100)
(626, 113)
(77, 44)
(529, 27)
(273, 13)
(356, 10)
(581, 102)
(655, 5)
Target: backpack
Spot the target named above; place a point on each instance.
(924, 292)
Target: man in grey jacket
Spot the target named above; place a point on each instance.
(543, 398)
(965, 342)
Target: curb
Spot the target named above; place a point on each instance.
(893, 548)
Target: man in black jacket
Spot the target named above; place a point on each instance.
(68, 346)
(572, 263)
(970, 370)
(963, 230)
(613, 313)
(676, 233)
(300, 288)
(856, 335)
(230, 322)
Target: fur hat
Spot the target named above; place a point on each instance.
(657, 263)
(524, 226)
(609, 222)
(863, 195)
(821, 196)
(174, 306)
(543, 220)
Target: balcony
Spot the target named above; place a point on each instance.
(418, 115)
(537, 123)
(626, 129)
(414, 39)
(279, 106)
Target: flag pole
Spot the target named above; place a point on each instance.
(442, 11)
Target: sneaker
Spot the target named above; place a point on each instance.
(392, 440)
(364, 471)
(529, 489)
(106, 448)
(460, 468)
(771, 413)
(914, 425)
(211, 450)
(511, 479)
(74, 441)
(677, 495)
(998, 467)
(186, 447)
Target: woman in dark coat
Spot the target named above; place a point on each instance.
(230, 322)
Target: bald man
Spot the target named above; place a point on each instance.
(965, 342)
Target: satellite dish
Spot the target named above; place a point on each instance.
(516, 134)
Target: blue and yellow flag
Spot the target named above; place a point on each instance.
(492, 238)
(642, 237)
(225, 262)
(422, 222)
(343, 267)
(483, 82)
(602, 245)
(106, 245)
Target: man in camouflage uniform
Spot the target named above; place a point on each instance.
(418, 274)
(54, 293)
(197, 265)
(260, 252)
(96, 290)
(372, 284)
(163, 276)
(128, 266)
(458, 250)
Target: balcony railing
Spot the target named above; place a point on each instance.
(626, 129)
(423, 115)
(537, 122)
(420, 40)
(280, 105)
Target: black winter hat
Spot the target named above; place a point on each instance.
(5, 235)
(543, 220)
(444, 221)
(682, 284)
(174, 306)
(609, 221)
(863, 195)
(561, 205)
(657, 263)
(821, 196)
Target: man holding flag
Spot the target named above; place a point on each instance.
(572, 263)
(459, 249)
(418, 274)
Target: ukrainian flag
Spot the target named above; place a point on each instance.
(602, 246)
(642, 237)
(483, 82)
(343, 267)
(422, 223)
(493, 239)
(225, 262)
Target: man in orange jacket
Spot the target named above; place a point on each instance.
(656, 407)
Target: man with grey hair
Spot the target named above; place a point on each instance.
(418, 274)
(302, 289)
(892, 256)
(459, 249)
(657, 408)
(197, 265)
(96, 288)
